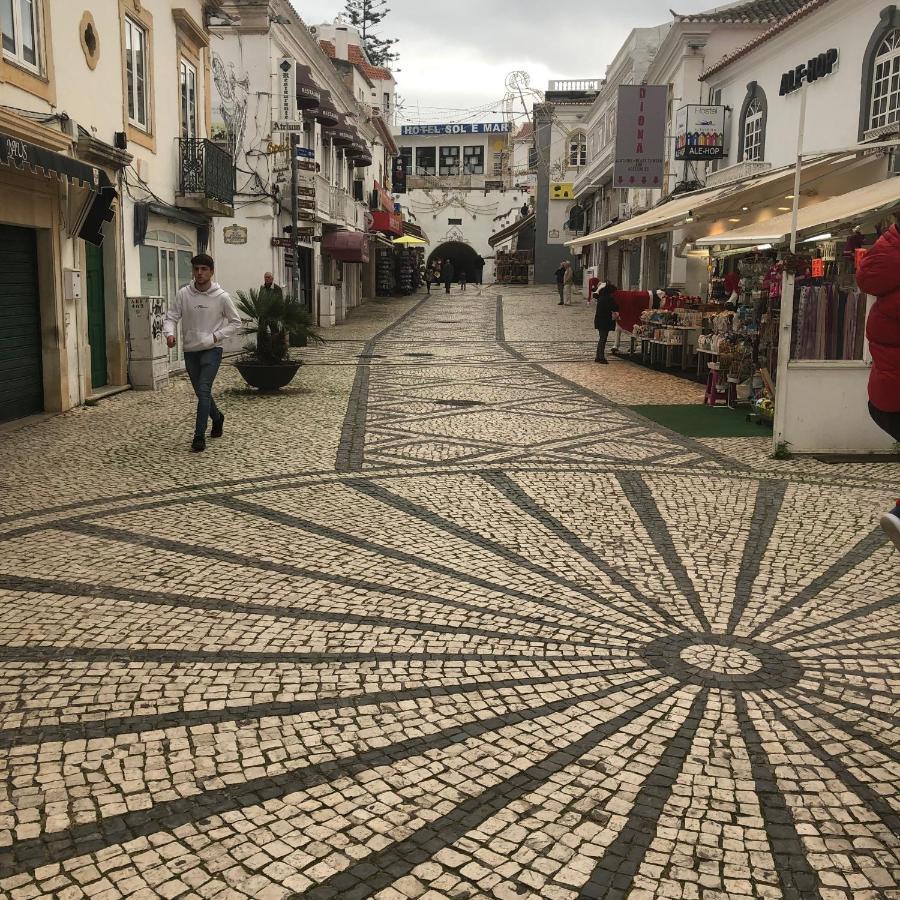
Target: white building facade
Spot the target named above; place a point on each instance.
(141, 185)
(460, 188)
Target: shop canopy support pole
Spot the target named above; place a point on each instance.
(786, 324)
(642, 276)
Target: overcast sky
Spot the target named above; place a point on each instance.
(455, 61)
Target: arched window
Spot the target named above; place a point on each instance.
(879, 107)
(885, 109)
(752, 133)
(577, 150)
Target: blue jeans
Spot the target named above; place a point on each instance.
(202, 367)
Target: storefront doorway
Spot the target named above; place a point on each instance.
(21, 369)
(96, 313)
(165, 267)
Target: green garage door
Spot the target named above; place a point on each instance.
(21, 378)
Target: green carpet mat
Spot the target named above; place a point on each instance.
(698, 421)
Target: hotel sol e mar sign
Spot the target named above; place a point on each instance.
(808, 72)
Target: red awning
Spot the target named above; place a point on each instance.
(389, 222)
(347, 246)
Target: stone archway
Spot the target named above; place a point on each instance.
(463, 257)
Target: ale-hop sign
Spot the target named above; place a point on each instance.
(640, 135)
(806, 73)
(700, 132)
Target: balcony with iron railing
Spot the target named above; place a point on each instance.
(206, 177)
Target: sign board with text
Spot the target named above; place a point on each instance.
(457, 128)
(700, 132)
(640, 136)
(287, 90)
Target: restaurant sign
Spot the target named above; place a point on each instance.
(640, 135)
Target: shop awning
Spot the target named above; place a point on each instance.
(309, 94)
(41, 161)
(852, 207)
(327, 113)
(506, 233)
(347, 246)
(341, 134)
(388, 222)
(414, 230)
(712, 203)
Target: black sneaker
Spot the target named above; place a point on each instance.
(217, 427)
(198, 445)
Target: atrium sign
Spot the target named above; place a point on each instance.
(806, 73)
(459, 128)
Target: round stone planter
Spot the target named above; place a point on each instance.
(267, 378)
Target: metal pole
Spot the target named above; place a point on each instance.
(295, 219)
(797, 171)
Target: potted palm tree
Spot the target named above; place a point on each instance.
(266, 363)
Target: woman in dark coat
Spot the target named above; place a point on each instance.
(605, 318)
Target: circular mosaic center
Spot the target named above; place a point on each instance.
(721, 660)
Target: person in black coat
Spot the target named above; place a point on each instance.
(448, 273)
(605, 318)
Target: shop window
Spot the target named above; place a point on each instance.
(754, 114)
(136, 73)
(473, 160)
(426, 160)
(406, 154)
(19, 21)
(578, 150)
(188, 100)
(449, 161)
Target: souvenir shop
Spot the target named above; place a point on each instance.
(398, 256)
(805, 318)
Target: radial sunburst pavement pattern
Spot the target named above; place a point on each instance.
(454, 680)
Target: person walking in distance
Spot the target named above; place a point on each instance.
(448, 273)
(207, 317)
(605, 318)
(560, 275)
(568, 281)
(879, 274)
(269, 286)
(479, 270)
(463, 279)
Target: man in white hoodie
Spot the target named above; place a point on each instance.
(207, 317)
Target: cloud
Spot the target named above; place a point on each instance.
(453, 62)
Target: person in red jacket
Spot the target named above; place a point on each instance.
(879, 274)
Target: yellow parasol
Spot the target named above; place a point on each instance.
(409, 240)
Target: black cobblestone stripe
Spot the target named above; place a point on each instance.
(516, 494)
(877, 637)
(766, 508)
(796, 877)
(851, 615)
(817, 710)
(865, 710)
(613, 876)
(336, 534)
(401, 858)
(641, 499)
(863, 550)
(120, 535)
(32, 853)
(100, 728)
(418, 511)
(869, 797)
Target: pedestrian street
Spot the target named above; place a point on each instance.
(445, 619)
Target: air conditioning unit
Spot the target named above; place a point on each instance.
(313, 30)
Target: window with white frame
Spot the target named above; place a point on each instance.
(449, 158)
(136, 74)
(886, 82)
(753, 130)
(473, 160)
(426, 160)
(188, 100)
(577, 150)
(19, 22)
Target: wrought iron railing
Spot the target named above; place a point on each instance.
(206, 169)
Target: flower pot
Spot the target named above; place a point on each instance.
(267, 377)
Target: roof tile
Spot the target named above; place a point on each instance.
(752, 12)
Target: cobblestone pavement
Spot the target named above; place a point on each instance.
(445, 620)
